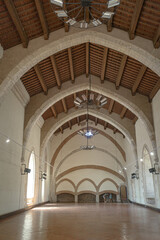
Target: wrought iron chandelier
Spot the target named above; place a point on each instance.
(88, 133)
(91, 101)
(84, 13)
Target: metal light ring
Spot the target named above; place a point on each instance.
(77, 24)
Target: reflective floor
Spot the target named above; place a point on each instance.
(83, 221)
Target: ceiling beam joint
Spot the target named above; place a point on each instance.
(64, 105)
(42, 17)
(87, 59)
(121, 70)
(54, 65)
(16, 20)
(71, 64)
(40, 77)
(110, 109)
(138, 79)
(104, 61)
(135, 18)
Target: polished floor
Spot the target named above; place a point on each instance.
(83, 222)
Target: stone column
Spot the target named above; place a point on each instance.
(97, 198)
(76, 198)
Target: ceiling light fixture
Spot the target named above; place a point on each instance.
(8, 140)
(92, 101)
(84, 13)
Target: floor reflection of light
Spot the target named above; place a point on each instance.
(27, 227)
(44, 208)
(48, 208)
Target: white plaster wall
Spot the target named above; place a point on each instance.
(108, 186)
(58, 139)
(94, 157)
(95, 175)
(142, 140)
(65, 186)
(11, 125)
(156, 117)
(86, 186)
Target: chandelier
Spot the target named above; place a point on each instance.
(91, 101)
(84, 13)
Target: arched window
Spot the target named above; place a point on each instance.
(31, 179)
(148, 178)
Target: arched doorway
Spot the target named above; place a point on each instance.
(31, 180)
(123, 193)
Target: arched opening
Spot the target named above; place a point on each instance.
(123, 193)
(65, 198)
(31, 180)
(148, 178)
(86, 198)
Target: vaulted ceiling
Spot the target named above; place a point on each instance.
(107, 64)
(23, 20)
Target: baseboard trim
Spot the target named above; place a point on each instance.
(7, 215)
(145, 206)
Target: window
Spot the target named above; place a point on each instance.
(31, 179)
(148, 178)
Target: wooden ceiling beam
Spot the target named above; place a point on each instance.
(61, 129)
(54, 111)
(16, 20)
(110, 21)
(64, 105)
(87, 15)
(71, 64)
(104, 64)
(105, 125)
(156, 39)
(87, 59)
(114, 130)
(74, 95)
(66, 25)
(42, 17)
(110, 109)
(121, 70)
(135, 18)
(40, 77)
(135, 119)
(70, 124)
(78, 121)
(123, 112)
(154, 90)
(96, 121)
(54, 65)
(138, 79)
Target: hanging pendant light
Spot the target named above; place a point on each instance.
(84, 13)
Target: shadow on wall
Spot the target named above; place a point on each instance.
(86, 198)
(65, 198)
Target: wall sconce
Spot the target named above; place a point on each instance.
(24, 170)
(155, 169)
(43, 175)
(135, 175)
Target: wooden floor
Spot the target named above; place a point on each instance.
(83, 221)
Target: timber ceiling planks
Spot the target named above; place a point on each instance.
(69, 101)
(37, 18)
(133, 75)
(92, 123)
